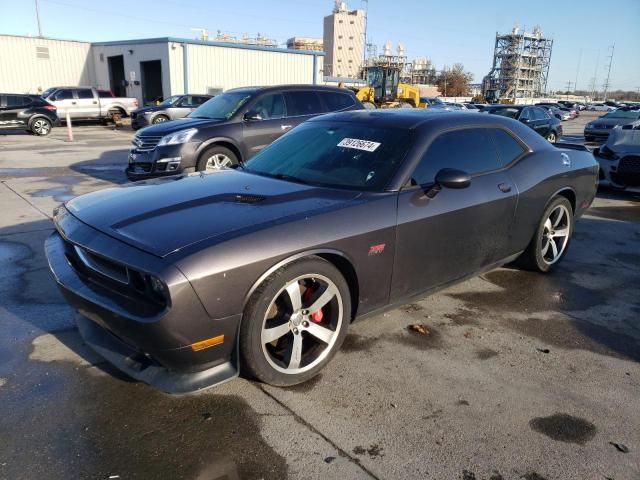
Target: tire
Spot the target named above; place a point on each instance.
(274, 313)
(41, 126)
(369, 105)
(215, 158)
(160, 119)
(547, 247)
(552, 137)
(115, 116)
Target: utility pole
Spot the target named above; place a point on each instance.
(38, 18)
(568, 89)
(575, 84)
(366, 14)
(606, 83)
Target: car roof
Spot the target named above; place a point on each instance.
(268, 88)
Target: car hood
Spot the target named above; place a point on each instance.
(611, 122)
(166, 128)
(165, 215)
(624, 142)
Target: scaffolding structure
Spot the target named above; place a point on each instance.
(520, 66)
(246, 39)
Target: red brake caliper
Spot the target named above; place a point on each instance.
(315, 317)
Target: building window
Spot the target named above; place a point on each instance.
(351, 22)
(350, 61)
(350, 48)
(339, 21)
(339, 60)
(339, 36)
(351, 37)
(42, 52)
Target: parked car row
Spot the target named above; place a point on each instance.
(600, 128)
(536, 118)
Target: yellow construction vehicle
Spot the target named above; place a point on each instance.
(384, 89)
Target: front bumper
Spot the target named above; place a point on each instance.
(162, 161)
(148, 342)
(620, 172)
(139, 120)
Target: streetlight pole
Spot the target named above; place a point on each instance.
(38, 18)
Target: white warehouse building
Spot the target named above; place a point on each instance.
(151, 68)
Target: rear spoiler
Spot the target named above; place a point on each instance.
(571, 146)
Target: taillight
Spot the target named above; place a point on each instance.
(50, 107)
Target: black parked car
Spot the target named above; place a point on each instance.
(601, 127)
(29, 112)
(535, 118)
(184, 280)
(619, 157)
(231, 128)
(172, 108)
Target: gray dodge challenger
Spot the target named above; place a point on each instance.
(185, 281)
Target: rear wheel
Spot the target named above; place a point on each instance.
(41, 126)
(160, 119)
(215, 158)
(549, 244)
(552, 137)
(295, 322)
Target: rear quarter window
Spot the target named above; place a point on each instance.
(508, 147)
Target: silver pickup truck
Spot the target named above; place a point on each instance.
(89, 103)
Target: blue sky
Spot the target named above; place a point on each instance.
(447, 32)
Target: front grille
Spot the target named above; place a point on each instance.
(145, 143)
(628, 172)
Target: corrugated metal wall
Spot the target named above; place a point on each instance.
(29, 63)
(223, 67)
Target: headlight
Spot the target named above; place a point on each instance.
(589, 125)
(183, 136)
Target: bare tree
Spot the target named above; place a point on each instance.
(454, 81)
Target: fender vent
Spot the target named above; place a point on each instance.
(243, 198)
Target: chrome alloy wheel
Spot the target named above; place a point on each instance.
(555, 234)
(302, 324)
(41, 127)
(218, 161)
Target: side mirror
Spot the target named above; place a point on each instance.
(449, 178)
(252, 117)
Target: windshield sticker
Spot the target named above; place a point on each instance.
(358, 144)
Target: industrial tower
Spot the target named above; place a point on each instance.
(520, 66)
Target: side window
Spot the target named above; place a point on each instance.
(508, 147)
(63, 95)
(526, 114)
(186, 101)
(540, 114)
(336, 101)
(471, 150)
(14, 101)
(269, 106)
(84, 93)
(197, 101)
(300, 102)
(105, 94)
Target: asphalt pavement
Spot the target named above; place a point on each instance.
(518, 376)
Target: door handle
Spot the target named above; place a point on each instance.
(95, 103)
(73, 103)
(285, 127)
(504, 187)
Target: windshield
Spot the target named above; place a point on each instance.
(168, 101)
(505, 112)
(348, 155)
(221, 107)
(630, 114)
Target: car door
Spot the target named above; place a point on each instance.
(12, 106)
(86, 105)
(458, 231)
(264, 121)
(543, 121)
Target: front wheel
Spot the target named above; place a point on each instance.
(160, 119)
(215, 158)
(549, 244)
(41, 127)
(295, 322)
